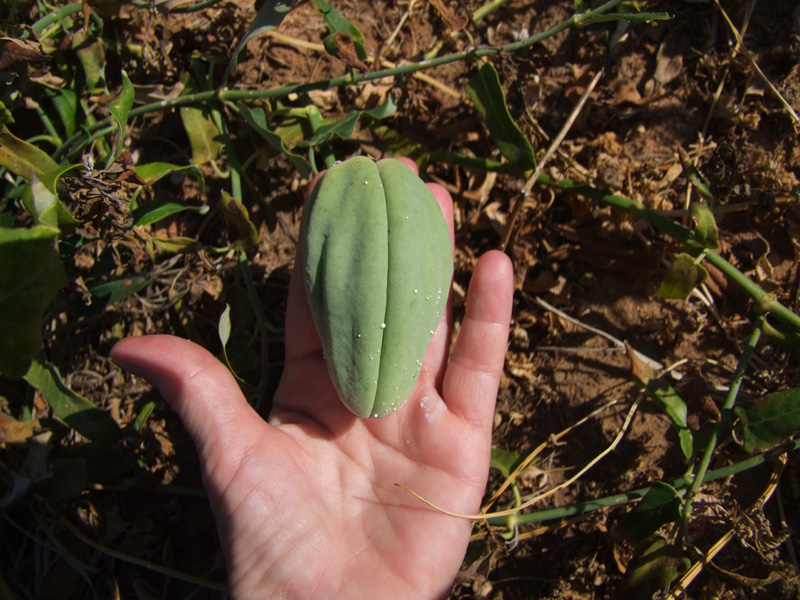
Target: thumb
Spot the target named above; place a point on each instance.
(198, 387)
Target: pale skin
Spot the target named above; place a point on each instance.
(306, 503)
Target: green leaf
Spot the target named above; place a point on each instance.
(65, 102)
(504, 461)
(337, 24)
(176, 245)
(659, 389)
(705, 226)
(45, 207)
(683, 275)
(344, 127)
(113, 292)
(120, 108)
(486, 93)
(240, 228)
(154, 171)
(270, 15)
(68, 480)
(675, 408)
(90, 51)
(256, 117)
(654, 568)
(22, 158)
(767, 421)
(51, 178)
(144, 414)
(30, 277)
(161, 209)
(204, 136)
(693, 175)
(660, 505)
(72, 408)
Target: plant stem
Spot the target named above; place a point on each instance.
(722, 425)
(680, 485)
(224, 94)
(315, 120)
(261, 324)
(765, 302)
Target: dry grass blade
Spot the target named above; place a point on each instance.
(555, 144)
(755, 66)
(695, 570)
(548, 493)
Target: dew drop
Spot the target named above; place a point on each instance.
(383, 325)
(416, 291)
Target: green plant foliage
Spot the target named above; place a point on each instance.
(30, 276)
(345, 127)
(660, 390)
(68, 479)
(338, 25)
(45, 207)
(656, 565)
(76, 411)
(661, 505)
(505, 461)
(120, 108)
(65, 103)
(695, 178)
(270, 15)
(155, 171)
(89, 49)
(176, 245)
(161, 209)
(683, 275)
(112, 292)
(705, 226)
(485, 91)
(256, 117)
(767, 421)
(144, 414)
(22, 158)
(204, 135)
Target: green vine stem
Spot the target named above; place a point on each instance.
(681, 485)
(721, 427)
(764, 301)
(263, 329)
(74, 143)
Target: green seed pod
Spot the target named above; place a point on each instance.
(378, 265)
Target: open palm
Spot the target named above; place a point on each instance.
(306, 504)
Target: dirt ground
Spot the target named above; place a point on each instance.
(674, 84)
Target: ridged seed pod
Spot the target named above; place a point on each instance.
(378, 266)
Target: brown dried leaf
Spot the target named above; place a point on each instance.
(454, 21)
(16, 53)
(346, 50)
(15, 432)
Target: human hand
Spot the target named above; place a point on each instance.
(306, 504)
